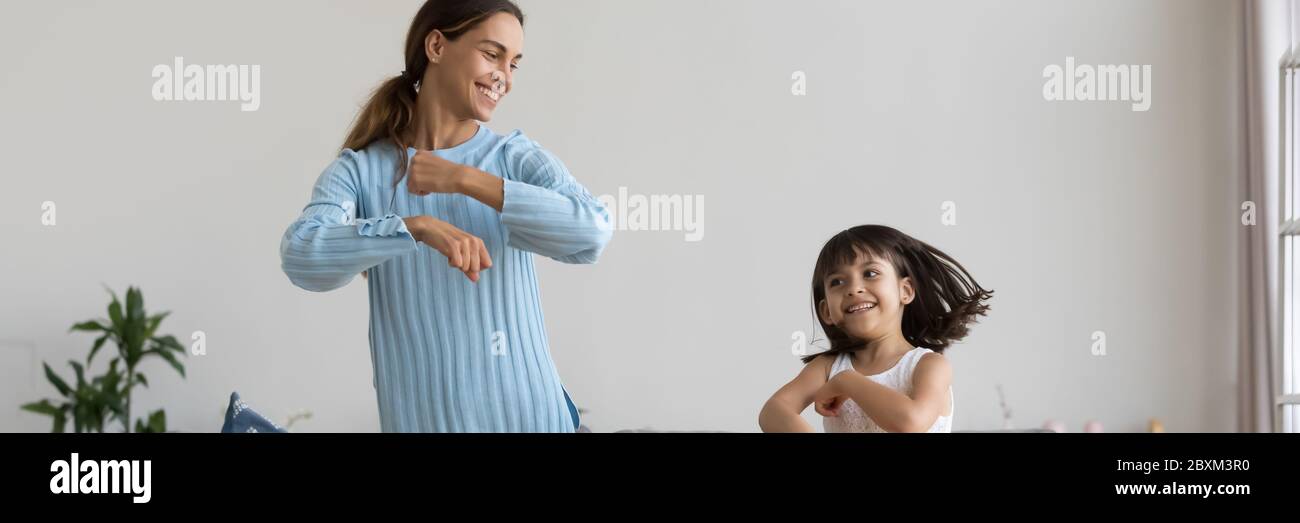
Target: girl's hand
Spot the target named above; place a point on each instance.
(430, 173)
(829, 399)
(463, 250)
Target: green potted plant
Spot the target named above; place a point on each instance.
(91, 404)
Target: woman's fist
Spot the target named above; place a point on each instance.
(430, 173)
(464, 251)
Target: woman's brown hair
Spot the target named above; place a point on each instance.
(391, 110)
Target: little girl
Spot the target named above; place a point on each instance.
(889, 304)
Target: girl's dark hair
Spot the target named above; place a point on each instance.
(947, 298)
(391, 109)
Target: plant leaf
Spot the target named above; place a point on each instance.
(81, 375)
(92, 325)
(58, 382)
(115, 312)
(170, 342)
(112, 365)
(157, 422)
(111, 379)
(99, 342)
(134, 305)
(139, 378)
(171, 358)
(42, 407)
(153, 323)
(116, 406)
(61, 421)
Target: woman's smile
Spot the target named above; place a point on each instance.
(491, 97)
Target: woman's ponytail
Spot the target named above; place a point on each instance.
(389, 114)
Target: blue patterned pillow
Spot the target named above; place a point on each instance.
(240, 418)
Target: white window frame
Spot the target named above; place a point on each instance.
(1284, 354)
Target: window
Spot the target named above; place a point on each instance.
(1287, 405)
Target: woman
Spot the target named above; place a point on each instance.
(456, 332)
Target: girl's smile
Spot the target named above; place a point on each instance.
(859, 306)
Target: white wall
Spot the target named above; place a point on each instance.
(1082, 216)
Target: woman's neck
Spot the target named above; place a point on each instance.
(436, 128)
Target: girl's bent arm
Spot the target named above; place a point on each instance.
(782, 411)
(893, 410)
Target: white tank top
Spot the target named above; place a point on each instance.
(899, 378)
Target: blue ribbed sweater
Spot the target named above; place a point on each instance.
(451, 355)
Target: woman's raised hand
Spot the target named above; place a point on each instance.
(430, 173)
(464, 251)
